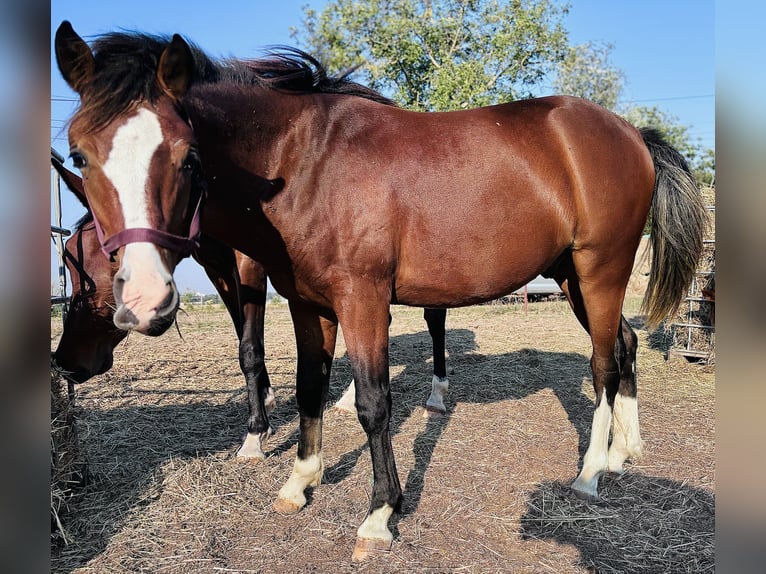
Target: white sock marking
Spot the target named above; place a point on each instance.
(348, 401)
(595, 460)
(375, 526)
(439, 389)
(306, 472)
(626, 437)
(252, 448)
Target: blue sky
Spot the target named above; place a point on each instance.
(665, 48)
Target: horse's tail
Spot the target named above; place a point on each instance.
(679, 220)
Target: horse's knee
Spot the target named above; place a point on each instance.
(373, 414)
(251, 356)
(372, 420)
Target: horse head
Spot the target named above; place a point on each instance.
(136, 150)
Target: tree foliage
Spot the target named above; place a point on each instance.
(586, 72)
(440, 54)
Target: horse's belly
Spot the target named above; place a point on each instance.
(457, 281)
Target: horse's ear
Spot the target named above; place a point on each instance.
(176, 68)
(72, 181)
(74, 58)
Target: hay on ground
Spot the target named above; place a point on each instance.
(67, 464)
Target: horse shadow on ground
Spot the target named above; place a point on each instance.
(474, 378)
(126, 450)
(151, 435)
(649, 525)
(660, 339)
(199, 429)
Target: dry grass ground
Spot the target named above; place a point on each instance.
(485, 487)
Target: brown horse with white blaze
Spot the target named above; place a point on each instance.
(351, 205)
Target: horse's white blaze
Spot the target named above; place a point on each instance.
(145, 277)
(375, 526)
(127, 166)
(306, 472)
(626, 438)
(595, 460)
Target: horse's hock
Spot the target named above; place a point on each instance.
(693, 332)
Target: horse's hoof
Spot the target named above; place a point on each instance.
(285, 507)
(251, 446)
(364, 547)
(252, 458)
(586, 496)
(433, 413)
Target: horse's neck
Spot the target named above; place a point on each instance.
(242, 136)
(244, 125)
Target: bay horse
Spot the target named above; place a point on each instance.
(90, 336)
(351, 205)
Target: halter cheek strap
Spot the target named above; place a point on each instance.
(183, 245)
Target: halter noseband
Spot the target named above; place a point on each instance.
(183, 245)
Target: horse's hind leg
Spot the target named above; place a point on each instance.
(626, 438)
(597, 304)
(436, 320)
(347, 402)
(260, 395)
(315, 341)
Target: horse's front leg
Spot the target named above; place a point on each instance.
(365, 328)
(315, 340)
(241, 283)
(251, 307)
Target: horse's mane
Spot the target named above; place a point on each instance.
(126, 64)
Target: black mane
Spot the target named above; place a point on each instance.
(126, 64)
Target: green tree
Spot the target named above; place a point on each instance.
(700, 158)
(587, 72)
(440, 54)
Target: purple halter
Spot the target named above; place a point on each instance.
(183, 245)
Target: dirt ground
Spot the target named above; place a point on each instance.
(486, 487)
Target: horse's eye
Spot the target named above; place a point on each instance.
(191, 162)
(78, 160)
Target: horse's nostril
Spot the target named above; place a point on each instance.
(119, 284)
(125, 319)
(168, 301)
